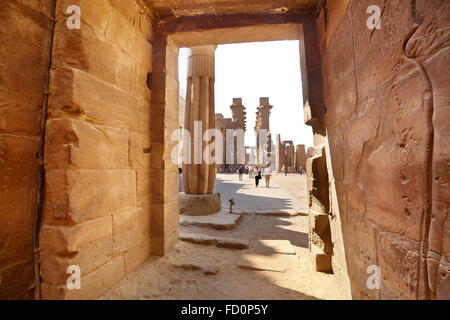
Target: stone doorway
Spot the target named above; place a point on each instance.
(192, 31)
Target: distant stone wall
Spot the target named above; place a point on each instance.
(98, 177)
(387, 96)
(300, 157)
(23, 51)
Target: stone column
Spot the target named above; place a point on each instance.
(198, 176)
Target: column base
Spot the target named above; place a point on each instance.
(199, 205)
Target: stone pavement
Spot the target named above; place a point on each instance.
(238, 256)
(276, 200)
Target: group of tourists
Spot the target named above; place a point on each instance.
(258, 172)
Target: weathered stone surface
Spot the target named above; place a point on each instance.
(23, 52)
(272, 246)
(386, 106)
(97, 130)
(199, 178)
(198, 239)
(216, 241)
(164, 185)
(221, 220)
(80, 94)
(16, 280)
(382, 115)
(199, 205)
(193, 264)
(136, 255)
(92, 285)
(16, 243)
(272, 262)
(125, 230)
(79, 196)
(18, 176)
(88, 245)
(74, 144)
(443, 280)
(139, 156)
(398, 261)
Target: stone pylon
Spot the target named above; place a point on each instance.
(262, 132)
(198, 176)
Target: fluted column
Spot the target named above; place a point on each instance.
(199, 178)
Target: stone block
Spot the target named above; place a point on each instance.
(85, 49)
(399, 212)
(144, 183)
(92, 285)
(18, 176)
(164, 219)
(17, 280)
(440, 214)
(162, 245)
(164, 187)
(398, 258)
(79, 196)
(18, 117)
(95, 14)
(125, 230)
(144, 224)
(24, 69)
(161, 156)
(139, 144)
(441, 157)
(137, 255)
(88, 245)
(80, 94)
(78, 144)
(16, 243)
(443, 280)
(131, 76)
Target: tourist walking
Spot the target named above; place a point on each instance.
(250, 172)
(257, 176)
(240, 172)
(267, 174)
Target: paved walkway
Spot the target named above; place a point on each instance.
(261, 256)
(287, 194)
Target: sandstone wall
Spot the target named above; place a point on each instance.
(387, 94)
(98, 178)
(300, 157)
(23, 51)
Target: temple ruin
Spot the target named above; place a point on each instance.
(228, 127)
(262, 132)
(87, 116)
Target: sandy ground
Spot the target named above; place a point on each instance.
(194, 271)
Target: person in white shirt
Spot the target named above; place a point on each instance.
(267, 174)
